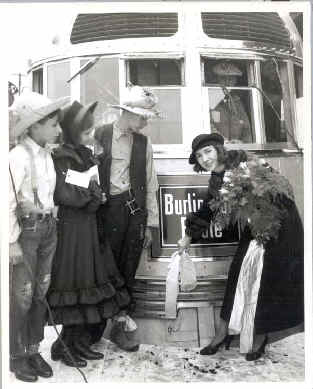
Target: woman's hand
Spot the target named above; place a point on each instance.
(183, 243)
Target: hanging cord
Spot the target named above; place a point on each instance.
(43, 294)
(277, 114)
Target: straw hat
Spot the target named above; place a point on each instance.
(140, 101)
(226, 69)
(29, 108)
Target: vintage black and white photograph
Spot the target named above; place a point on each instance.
(158, 157)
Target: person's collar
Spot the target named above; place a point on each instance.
(118, 132)
(36, 148)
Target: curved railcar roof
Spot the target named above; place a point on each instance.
(97, 27)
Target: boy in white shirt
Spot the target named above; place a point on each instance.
(34, 120)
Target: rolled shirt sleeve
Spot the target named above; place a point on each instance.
(152, 187)
(16, 160)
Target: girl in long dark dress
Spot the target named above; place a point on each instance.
(86, 287)
(280, 299)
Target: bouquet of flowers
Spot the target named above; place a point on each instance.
(253, 194)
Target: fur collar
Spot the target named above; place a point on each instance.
(66, 151)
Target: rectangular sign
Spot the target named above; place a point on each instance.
(178, 201)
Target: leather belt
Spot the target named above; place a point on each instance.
(39, 216)
(128, 200)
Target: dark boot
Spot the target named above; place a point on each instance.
(81, 345)
(67, 356)
(41, 367)
(82, 350)
(22, 370)
(119, 337)
(95, 331)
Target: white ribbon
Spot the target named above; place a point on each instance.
(180, 264)
(172, 286)
(246, 296)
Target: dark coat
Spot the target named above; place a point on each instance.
(281, 294)
(86, 286)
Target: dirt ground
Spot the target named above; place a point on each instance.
(283, 361)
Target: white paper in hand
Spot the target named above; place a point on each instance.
(93, 171)
(77, 178)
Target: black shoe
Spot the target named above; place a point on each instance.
(210, 350)
(254, 355)
(83, 351)
(22, 370)
(63, 356)
(41, 367)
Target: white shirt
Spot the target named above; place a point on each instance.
(20, 165)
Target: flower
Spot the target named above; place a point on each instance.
(251, 195)
(223, 191)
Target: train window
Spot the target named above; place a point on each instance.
(231, 114)
(155, 72)
(101, 83)
(276, 101)
(37, 82)
(57, 76)
(230, 98)
(169, 129)
(215, 72)
(299, 81)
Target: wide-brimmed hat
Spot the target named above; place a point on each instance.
(226, 69)
(203, 140)
(29, 108)
(73, 118)
(140, 101)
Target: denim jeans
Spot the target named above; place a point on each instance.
(29, 283)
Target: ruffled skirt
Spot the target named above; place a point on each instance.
(86, 286)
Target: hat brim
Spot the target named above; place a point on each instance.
(18, 125)
(148, 113)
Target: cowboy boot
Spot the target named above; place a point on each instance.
(120, 338)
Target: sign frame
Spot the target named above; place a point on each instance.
(198, 251)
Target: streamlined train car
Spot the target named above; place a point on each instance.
(175, 54)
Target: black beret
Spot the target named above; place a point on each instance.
(203, 140)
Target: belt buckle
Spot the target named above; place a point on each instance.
(41, 217)
(132, 206)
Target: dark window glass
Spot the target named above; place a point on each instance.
(158, 72)
(38, 81)
(276, 101)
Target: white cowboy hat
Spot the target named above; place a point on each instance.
(29, 108)
(140, 101)
(226, 69)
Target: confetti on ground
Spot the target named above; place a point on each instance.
(283, 361)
